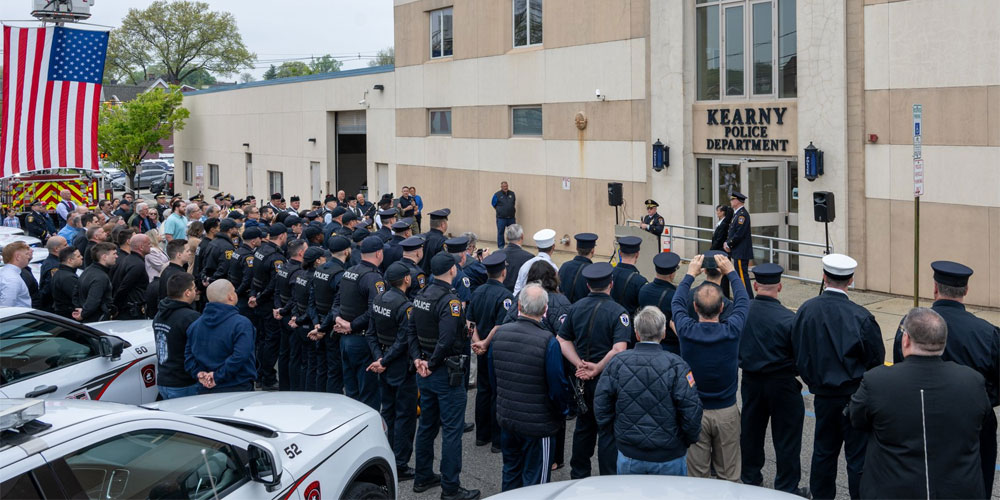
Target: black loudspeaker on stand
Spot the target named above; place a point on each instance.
(824, 210)
(615, 197)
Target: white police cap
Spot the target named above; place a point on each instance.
(839, 265)
(545, 238)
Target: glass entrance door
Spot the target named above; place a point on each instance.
(772, 191)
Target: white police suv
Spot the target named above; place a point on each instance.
(46, 355)
(238, 445)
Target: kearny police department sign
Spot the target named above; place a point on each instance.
(761, 128)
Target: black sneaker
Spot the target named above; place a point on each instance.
(482, 442)
(802, 492)
(422, 487)
(405, 473)
(469, 428)
(495, 449)
(461, 494)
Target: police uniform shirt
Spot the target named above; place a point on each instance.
(654, 223)
(266, 261)
(462, 285)
(972, 342)
(300, 282)
(835, 341)
(283, 285)
(627, 282)
(418, 279)
(34, 225)
(571, 281)
(739, 241)
(392, 252)
(359, 286)
(595, 324)
(325, 283)
(438, 315)
(766, 343)
(391, 308)
(488, 306)
(434, 244)
(217, 252)
(240, 270)
(476, 272)
(555, 316)
(658, 293)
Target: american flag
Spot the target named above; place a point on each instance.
(51, 93)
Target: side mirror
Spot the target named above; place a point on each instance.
(265, 465)
(112, 347)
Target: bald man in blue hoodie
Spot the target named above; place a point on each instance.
(220, 344)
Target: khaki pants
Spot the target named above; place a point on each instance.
(718, 445)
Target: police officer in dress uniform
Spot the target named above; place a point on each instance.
(351, 312)
(306, 365)
(571, 281)
(266, 260)
(240, 272)
(626, 276)
(438, 323)
(739, 244)
(326, 284)
(973, 342)
(392, 251)
(290, 349)
(435, 237)
(925, 416)
(463, 287)
(219, 251)
(489, 305)
(595, 330)
(37, 223)
(336, 222)
(388, 337)
(834, 342)
(770, 389)
(659, 292)
(413, 252)
(388, 218)
(652, 222)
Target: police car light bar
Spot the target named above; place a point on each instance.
(14, 413)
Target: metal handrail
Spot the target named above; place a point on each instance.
(770, 248)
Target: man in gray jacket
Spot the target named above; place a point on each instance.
(649, 395)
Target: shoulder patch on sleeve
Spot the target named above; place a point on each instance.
(465, 281)
(506, 304)
(690, 379)
(562, 319)
(278, 264)
(624, 319)
(659, 220)
(740, 220)
(229, 254)
(31, 218)
(409, 312)
(380, 286)
(456, 307)
(422, 280)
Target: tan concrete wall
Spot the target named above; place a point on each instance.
(541, 202)
(856, 225)
(952, 116)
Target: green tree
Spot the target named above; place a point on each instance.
(271, 73)
(247, 78)
(293, 68)
(182, 36)
(128, 132)
(325, 64)
(384, 57)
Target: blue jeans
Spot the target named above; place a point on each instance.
(178, 392)
(441, 406)
(675, 467)
(502, 224)
(359, 384)
(525, 459)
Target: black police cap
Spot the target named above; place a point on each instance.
(339, 244)
(371, 244)
(277, 229)
(337, 212)
(387, 213)
(412, 243)
(738, 195)
(598, 274)
(292, 220)
(585, 241)
(227, 224)
(348, 217)
(400, 226)
(252, 233)
(396, 271)
(767, 273)
(630, 244)
(360, 234)
(441, 214)
(457, 244)
(442, 263)
(666, 262)
(951, 273)
(494, 262)
(312, 254)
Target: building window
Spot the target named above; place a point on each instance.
(440, 121)
(188, 172)
(442, 31)
(526, 120)
(275, 182)
(745, 48)
(213, 176)
(527, 22)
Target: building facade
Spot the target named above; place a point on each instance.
(561, 97)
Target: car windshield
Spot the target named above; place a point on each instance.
(30, 346)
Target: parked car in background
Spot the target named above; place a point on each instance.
(163, 185)
(147, 175)
(116, 177)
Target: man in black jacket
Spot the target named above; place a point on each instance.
(180, 255)
(49, 267)
(130, 280)
(532, 391)
(174, 316)
(648, 395)
(219, 251)
(516, 256)
(504, 202)
(924, 416)
(63, 283)
(93, 291)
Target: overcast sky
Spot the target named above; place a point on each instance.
(275, 29)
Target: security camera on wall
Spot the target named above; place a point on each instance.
(599, 95)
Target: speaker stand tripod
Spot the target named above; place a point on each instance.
(826, 251)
